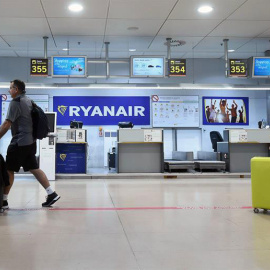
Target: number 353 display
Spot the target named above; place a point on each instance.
(238, 67)
(177, 67)
(39, 67)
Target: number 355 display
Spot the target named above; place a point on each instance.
(39, 67)
(177, 67)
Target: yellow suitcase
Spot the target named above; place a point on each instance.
(260, 183)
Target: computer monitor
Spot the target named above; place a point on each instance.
(52, 121)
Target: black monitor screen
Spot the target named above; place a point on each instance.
(51, 119)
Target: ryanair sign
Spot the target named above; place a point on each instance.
(102, 110)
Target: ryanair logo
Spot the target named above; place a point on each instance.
(102, 111)
(62, 109)
(63, 156)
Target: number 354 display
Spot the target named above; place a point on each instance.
(39, 67)
(177, 67)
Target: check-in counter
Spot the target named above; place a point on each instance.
(140, 151)
(240, 145)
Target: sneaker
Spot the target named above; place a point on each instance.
(51, 199)
(5, 205)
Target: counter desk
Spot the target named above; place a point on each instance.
(240, 145)
(140, 151)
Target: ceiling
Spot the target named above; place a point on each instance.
(23, 23)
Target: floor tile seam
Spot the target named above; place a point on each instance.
(57, 233)
(122, 225)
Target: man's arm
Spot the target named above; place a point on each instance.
(4, 128)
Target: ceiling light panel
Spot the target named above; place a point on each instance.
(205, 9)
(187, 9)
(92, 9)
(75, 7)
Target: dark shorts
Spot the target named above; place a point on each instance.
(22, 156)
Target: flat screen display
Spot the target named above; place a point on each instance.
(261, 67)
(233, 111)
(52, 121)
(69, 66)
(147, 66)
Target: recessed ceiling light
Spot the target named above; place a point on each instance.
(133, 28)
(132, 50)
(65, 49)
(205, 9)
(231, 50)
(75, 7)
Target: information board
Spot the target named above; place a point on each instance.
(175, 111)
(39, 67)
(41, 100)
(238, 67)
(177, 67)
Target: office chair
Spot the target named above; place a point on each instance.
(215, 137)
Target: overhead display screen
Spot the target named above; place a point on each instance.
(69, 66)
(39, 67)
(147, 66)
(238, 67)
(177, 67)
(261, 67)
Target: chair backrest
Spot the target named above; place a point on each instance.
(215, 137)
(181, 155)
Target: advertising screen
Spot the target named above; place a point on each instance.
(69, 66)
(225, 111)
(261, 67)
(147, 66)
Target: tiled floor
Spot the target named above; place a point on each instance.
(209, 229)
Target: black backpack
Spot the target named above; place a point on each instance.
(40, 122)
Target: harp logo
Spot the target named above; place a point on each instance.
(63, 156)
(62, 109)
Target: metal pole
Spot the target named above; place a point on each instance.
(67, 47)
(168, 48)
(107, 59)
(174, 139)
(45, 47)
(226, 56)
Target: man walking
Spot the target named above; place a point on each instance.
(22, 149)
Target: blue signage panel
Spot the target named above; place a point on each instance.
(233, 111)
(261, 67)
(73, 66)
(70, 158)
(95, 111)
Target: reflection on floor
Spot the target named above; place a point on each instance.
(103, 170)
(128, 224)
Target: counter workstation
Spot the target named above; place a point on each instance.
(240, 145)
(140, 151)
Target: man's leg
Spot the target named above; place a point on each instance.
(41, 177)
(7, 189)
(43, 180)
(11, 181)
